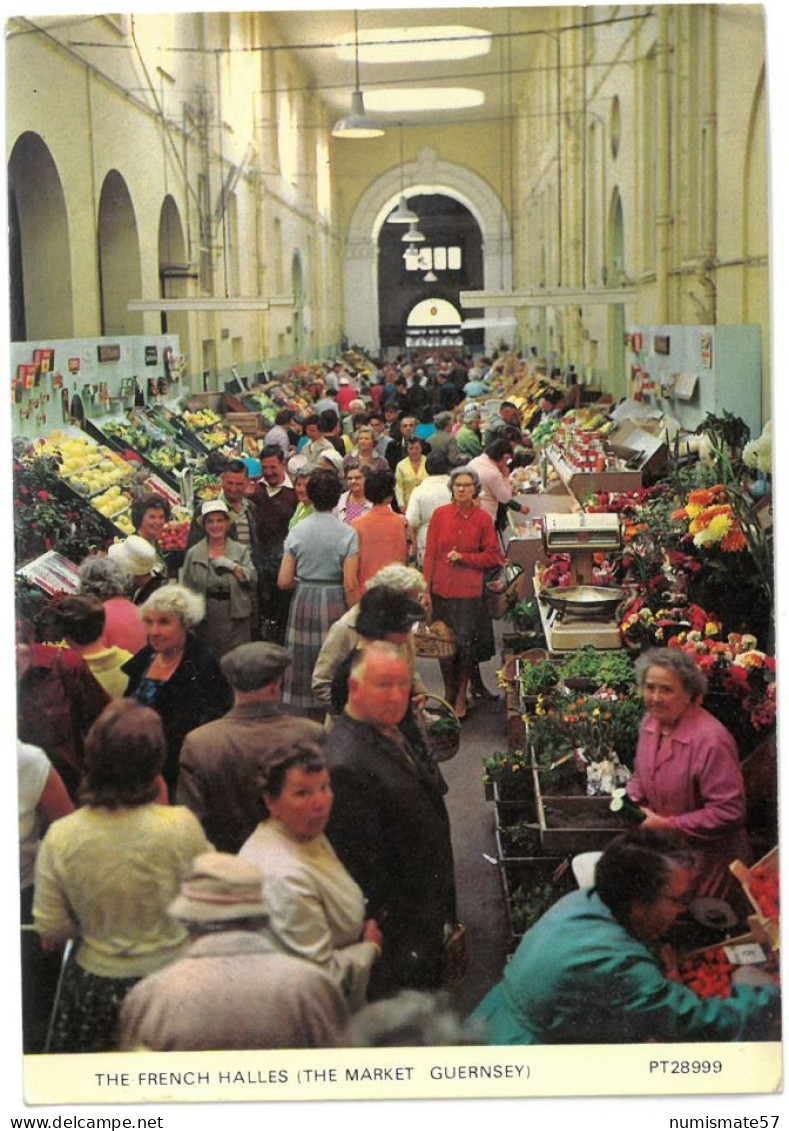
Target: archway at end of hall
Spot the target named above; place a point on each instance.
(446, 262)
(427, 176)
(433, 323)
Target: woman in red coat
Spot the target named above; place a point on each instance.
(461, 545)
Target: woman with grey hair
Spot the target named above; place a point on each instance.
(106, 579)
(461, 545)
(363, 453)
(687, 773)
(343, 638)
(174, 673)
(441, 438)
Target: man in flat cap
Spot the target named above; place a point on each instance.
(231, 989)
(219, 761)
(467, 442)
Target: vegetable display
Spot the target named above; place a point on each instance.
(707, 975)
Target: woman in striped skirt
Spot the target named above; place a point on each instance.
(321, 562)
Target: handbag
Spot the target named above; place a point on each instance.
(500, 588)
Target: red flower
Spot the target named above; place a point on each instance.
(43, 496)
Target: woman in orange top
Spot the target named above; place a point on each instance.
(385, 538)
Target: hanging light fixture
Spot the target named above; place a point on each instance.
(357, 124)
(431, 277)
(413, 235)
(402, 214)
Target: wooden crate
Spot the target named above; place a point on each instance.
(598, 828)
(249, 423)
(527, 874)
(512, 813)
(765, 930)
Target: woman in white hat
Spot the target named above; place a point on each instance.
(222, 571)
(139, 559)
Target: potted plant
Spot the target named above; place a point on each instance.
(537, 680)
(508, 774)
(581, 670)
(617, 671)
(524, 616)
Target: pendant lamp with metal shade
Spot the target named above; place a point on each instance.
(357, 125)
(402, 214)
(413, 235)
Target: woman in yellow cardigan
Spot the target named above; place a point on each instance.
(410, 472)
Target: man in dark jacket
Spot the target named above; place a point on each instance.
(275, 502)
(389, 824)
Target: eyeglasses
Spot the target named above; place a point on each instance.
(682, 901)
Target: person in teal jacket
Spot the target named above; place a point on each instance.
(587, 973)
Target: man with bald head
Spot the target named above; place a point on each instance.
(389, 824)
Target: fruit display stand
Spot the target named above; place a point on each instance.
(210, 429)
(707, 971)
(760, 885)
(169, 421)
(95, 474)
(156, 451)
(585, 477)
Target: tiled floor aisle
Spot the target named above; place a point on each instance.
(480, 905)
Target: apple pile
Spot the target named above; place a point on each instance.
(174, 536)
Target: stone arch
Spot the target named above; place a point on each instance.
(427, 174)
(120, 273)
(174, 269)
(40, 247)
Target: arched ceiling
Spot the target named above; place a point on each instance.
(516, 44)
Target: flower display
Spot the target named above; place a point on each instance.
(736, 670)
(42, 519)
(758, 454)
(509, 769)
(712, 520)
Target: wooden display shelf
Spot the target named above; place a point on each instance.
(584, 483)
(600, 826)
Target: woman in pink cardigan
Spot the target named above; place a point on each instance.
(687, 770)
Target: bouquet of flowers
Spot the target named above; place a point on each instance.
(738, 672)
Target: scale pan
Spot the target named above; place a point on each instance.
(583, 600)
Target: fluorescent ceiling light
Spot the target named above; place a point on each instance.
(417, 44)
(394, 100)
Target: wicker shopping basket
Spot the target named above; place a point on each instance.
(435, 641)
(442, 727)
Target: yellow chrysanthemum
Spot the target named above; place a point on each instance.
(720, 526)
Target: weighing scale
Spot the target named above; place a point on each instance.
(582, 613)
